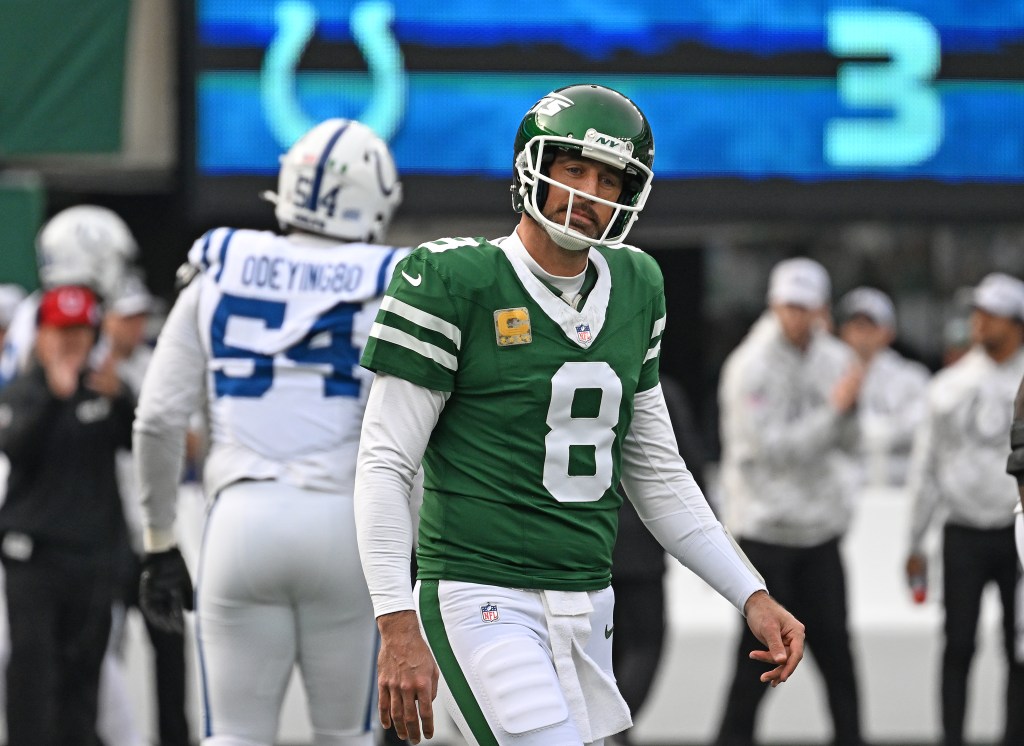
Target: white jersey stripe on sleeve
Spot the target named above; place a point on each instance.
(422, 318)
(653, 352)
(659, 327)
(409, 342)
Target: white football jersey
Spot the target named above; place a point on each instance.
(20, 339)
(282, 321)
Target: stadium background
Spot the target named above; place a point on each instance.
(881, 137)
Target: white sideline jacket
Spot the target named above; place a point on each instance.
(959, 457)
(783, 477)
(891, 406)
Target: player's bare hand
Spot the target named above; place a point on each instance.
(406, 677)
(781, 633)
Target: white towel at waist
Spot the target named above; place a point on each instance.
(597, 708)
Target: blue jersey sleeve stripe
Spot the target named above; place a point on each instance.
(382, 273)
(224, 253)
(206, 247)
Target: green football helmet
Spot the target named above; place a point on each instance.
(598, 123)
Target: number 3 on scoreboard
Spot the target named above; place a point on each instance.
(913, 132)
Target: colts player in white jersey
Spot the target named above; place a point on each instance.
(267, 337)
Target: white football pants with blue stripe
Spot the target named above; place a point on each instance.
(280, 585)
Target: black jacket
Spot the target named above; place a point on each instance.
(62, 489)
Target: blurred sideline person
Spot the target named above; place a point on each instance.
(90, 246)
(891, 403)
(122, 351)
(956, 331)
(956, 340)
(1015, 467)
(638, 574)
(523, 372)
(959, 463)
(788, 402)
(62, 522)
(84, 245)
(11, 296)
(269, 332)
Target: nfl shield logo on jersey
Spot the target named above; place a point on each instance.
(489, 612)
(583, 333)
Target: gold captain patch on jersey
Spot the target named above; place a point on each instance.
(512, 327)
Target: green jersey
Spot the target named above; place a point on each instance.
(522, 467)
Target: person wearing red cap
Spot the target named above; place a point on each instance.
(60, 428)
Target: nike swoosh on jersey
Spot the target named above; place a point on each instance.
(608, 631)
(415, 282)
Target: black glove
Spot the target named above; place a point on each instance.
(165, 589)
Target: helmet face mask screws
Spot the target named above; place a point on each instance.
(592, 122)
(338, 180)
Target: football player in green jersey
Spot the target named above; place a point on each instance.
(523, 373)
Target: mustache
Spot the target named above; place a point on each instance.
(580, 208)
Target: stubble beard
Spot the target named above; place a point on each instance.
(593, 229)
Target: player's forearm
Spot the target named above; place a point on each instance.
(158, 462)
(673, 507)
(384, 534)
(704, 546)
(171, 392)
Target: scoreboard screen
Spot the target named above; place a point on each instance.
(899, 108)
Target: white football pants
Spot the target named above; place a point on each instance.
(279, 585)
(493, 648)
